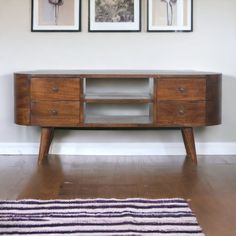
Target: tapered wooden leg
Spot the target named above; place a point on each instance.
(45, 142)
(189, 143)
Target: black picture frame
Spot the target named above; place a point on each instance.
(55, 16)
(178, 16)
(133, 24)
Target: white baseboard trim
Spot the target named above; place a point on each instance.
(118, 148)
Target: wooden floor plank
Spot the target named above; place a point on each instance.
(209, 186)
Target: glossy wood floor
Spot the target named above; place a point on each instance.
(210, 186)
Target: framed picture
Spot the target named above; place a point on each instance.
(170, 16)
(56, 15)
(114, 15)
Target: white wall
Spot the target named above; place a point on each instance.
(210, 47)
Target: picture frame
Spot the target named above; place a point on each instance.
(114, 16)
(169, 15)
(56, 15)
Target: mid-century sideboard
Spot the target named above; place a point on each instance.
(62, 99)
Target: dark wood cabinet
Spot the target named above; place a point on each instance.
(54, 99)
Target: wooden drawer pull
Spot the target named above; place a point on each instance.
(53, 112)
(182, 90)
(55, 89)
(181, 111)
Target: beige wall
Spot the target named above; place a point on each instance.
(211, 47)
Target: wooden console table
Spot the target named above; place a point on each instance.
(173, 99)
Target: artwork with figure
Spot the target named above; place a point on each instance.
(170, 4)
(170, 15)
(56, 12)
(56, 5)
(114, 10)
(56, 15)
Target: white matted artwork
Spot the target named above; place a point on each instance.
(114, 15)
(170, 15)
(56, 15)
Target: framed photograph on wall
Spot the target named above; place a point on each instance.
(56, 15)
(170, 16)
(114, 15)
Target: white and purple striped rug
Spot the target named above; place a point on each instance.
(132, 216)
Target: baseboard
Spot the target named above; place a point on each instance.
(118, 148)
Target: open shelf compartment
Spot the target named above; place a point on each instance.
(118, 113)
(118, 101)
(129, 89)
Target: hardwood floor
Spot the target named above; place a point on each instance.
(210, 186)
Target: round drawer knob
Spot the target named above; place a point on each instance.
(181, 89)
(181, 111)
(55, 89)
(54, 112)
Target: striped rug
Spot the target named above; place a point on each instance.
(132, 216)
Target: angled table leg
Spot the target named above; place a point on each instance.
(45, 142)
(189, 143)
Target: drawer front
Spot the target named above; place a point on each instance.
(181, 89)
(182, 113)
(55, 89)
(55, 114)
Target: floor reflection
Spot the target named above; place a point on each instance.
(117, 176)
(46, 182)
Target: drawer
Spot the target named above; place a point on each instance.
(55, 114)
(181, 89)
(55, 89)
(182, 113)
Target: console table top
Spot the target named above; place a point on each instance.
(138, 73)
